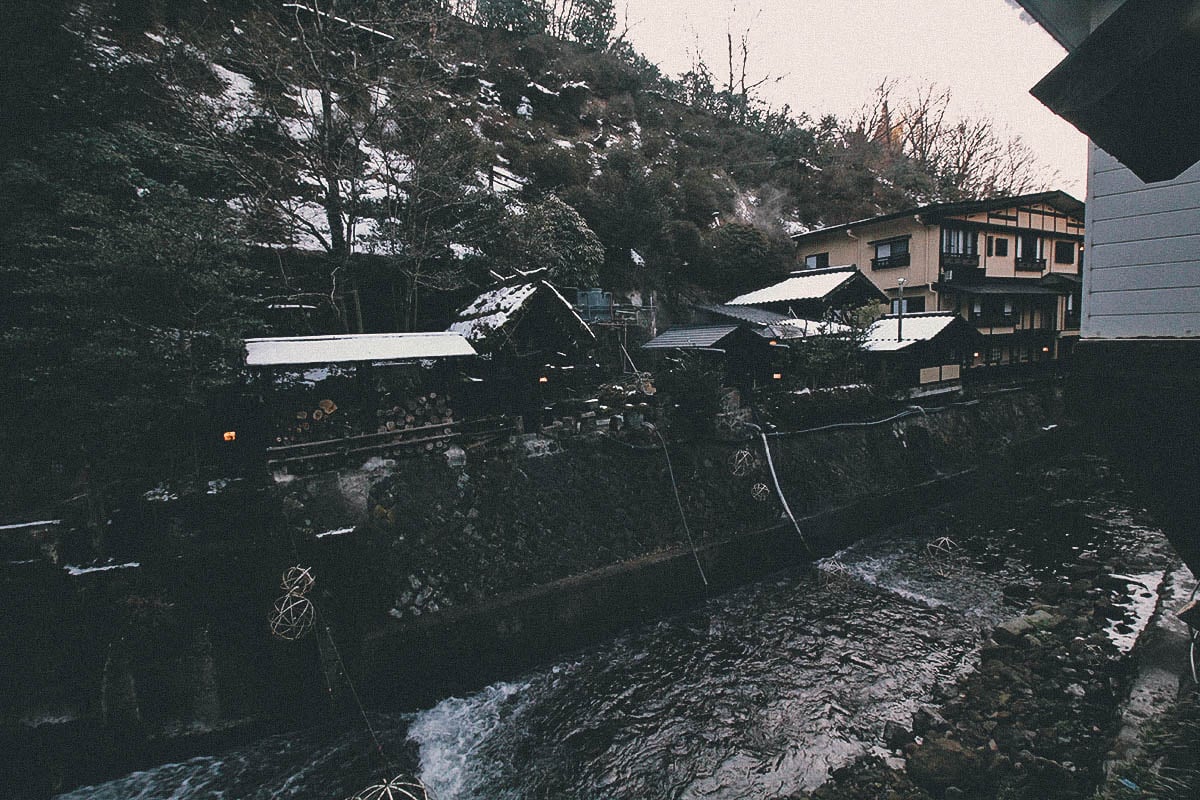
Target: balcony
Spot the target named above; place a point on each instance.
(888, 262)
(960, 260)
(1030, 264)
(962, 275)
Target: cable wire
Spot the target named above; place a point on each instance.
(679, 502)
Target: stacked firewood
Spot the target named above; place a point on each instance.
(312, 424)
(418, 412)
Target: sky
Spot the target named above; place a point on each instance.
(830, 55)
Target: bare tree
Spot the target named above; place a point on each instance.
(329, 120)
(965, 158)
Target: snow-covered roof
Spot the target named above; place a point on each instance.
(495, 308)
(797, 328)
(881, 337)
(355, 347)
(800, 286)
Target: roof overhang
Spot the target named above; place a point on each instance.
(1029, 287)
(1068, 21)
(1129, 85)
(349, 348)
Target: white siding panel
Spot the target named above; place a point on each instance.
(1154, 224)
(1133, 326)
(1180, 274)
(1142, 269)
(1121, 181)
(1145, 301)
(1176, 249)
(1127, 204)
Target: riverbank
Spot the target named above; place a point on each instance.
(1042, 713)
(163, 650)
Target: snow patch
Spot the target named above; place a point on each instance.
(74, 570)
(1139, 606)
(336, 532)
(462, 251)
(38, 524)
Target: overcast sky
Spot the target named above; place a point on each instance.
(833, 53)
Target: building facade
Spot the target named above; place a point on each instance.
(1009, 266)
(1136, 376)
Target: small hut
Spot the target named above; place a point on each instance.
(745, 355)
(922, 352)
(814, 293)
(353, 393)
(534, 345)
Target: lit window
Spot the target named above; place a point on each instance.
(960, 242)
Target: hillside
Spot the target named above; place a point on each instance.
(181, 179)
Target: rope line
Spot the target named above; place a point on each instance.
(337, 653)
(682, 515)
(779, 492)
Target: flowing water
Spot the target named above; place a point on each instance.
(760, 692)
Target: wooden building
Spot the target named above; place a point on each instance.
(814, 294)
(534, 346)
(921, 352)
(1129, 83)
(999, 263)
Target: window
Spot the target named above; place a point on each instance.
(960, 242)
(976, 308)
(1064, 252)
(995, 354)
(891, 253)
(1008, 308)
(1031, 252)
(816, 261)
(912, 305)
(1001, 247)
(991, 245)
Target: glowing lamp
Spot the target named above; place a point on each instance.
(543, 379)
(774, 342)
(1045, 349)
(777, 376)
(230, 436)
(975, 355)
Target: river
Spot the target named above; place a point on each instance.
(760, 692)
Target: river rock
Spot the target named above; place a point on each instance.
(940, 763)
(928, 719)
(896, 735)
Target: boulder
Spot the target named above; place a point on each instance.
(940, 763)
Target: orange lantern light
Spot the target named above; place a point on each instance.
(777, 376)
(230, 436)
(543, 379)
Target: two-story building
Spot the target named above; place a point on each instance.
(1010, 266)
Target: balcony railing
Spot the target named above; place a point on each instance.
(962, 275)
(887, 262)
(960, 260)
(1031, 264)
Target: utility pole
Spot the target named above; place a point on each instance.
(900, 319)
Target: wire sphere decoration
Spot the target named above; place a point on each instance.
(293, 617)
(402, 787)
(760, 492)
(944, 553)
(741, 462)
(298, 580)
(835, 574)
